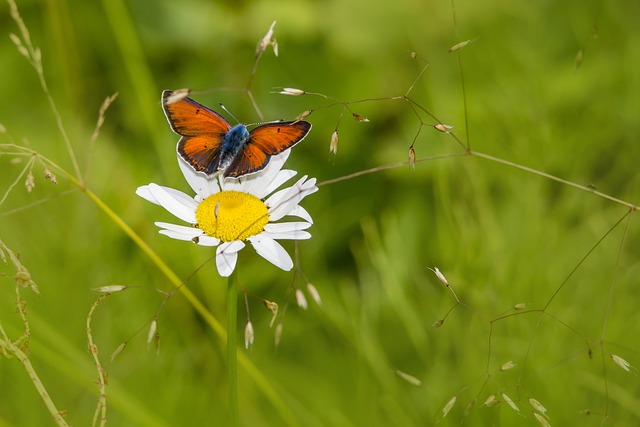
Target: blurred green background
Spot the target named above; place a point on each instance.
(501, 236)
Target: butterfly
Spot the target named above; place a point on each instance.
(211, 145)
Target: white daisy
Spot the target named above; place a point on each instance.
(227, 212)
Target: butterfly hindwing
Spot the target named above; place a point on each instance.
(250, 159)
(202, 152)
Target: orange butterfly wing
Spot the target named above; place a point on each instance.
(202, 131)
(265, 141)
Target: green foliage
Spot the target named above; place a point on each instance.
(544, 268)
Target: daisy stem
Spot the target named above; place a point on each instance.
(232, 360)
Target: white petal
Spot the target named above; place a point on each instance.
(206, 240)
(145, 192)
(203, 186)
(187, 231)
(272, 251)
(227, 256)
(181, 232)
(176, 202)
(287, 235)
(287, 230)
(283, 202)
(301, 212)
(282, 177)
(177, 235)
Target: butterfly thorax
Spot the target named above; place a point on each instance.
(233, 142)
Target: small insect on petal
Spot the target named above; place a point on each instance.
(248, 335)
(111, 288)
(301, 300)
(314, 293)
(621, 362)
(333, 145)
(542, 420)
(510, 402)
(408, 378)
(507, 366)
(449, 405)
(520, 306)
(152, 330)
(360, 118)
(443, 128)
(177, 95)
(412, 158)
(291, 91)
(537, 406)
(459, 45)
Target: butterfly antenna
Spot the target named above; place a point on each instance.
(229, 112)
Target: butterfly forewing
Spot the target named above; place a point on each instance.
(274, 138)
(188, 118)
(202, 131)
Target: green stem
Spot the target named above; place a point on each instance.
(232, 360)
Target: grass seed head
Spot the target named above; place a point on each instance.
(177, 95)
(301, 300)
(491, 400)
(314, 293)
(333, 145)
(412, 158)
(248, 335)
(30, 182)
(542, 420)
(449, 405)
(443, 128)
(291, 91)
(510, 402)
(508, 365)
(621, 362)
(537, 406)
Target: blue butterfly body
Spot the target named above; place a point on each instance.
(233, 142)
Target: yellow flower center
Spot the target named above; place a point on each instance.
(232, 215)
